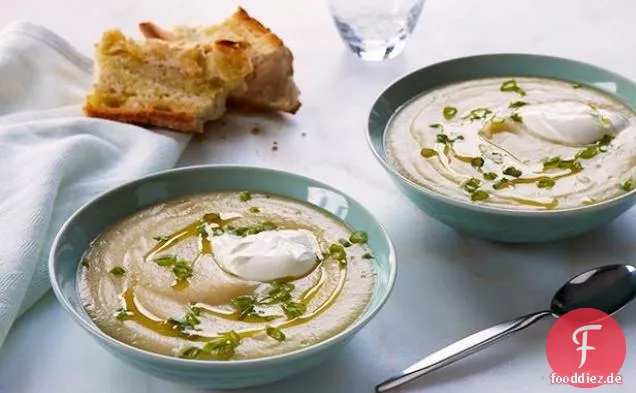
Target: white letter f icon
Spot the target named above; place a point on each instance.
(584, 347)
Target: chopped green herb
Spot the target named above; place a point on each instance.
(337, 252)
(191, 353)
(84, 262)
(192, 316)
(458, 137)
(245, 196)
(477, 162)
(479, 195)
(517, 104)
(605, 140)
(546, 183)
(449, 112)
(427, 153)
(436, 125)
(472, 184)
(275, 333)
(512, 171)
(254, 229)
(182, 270)
(512, 86)
(588, 152)
(503, 183)
(254, 209)
(218, 231)
(117, 271)
(479, 113)
(551, 163)
(442, 138)
(279, 292)
(358, 237)
(245, 305)
(201, 230)
(166, 260)
(294, 309)
(224, 346)
(367, 256)
(344, 242)
(576, 85)
(628, 185)
(161, 238)
(516, 118)
(123, 314)
(490, 176)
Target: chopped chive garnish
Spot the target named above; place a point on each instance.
(512, 86)
(442, 138)
(517, 104)
(367, 256)
(546, 183)
(85, 262)
(245, 196)
(551, 163)
(161, 238)
(182, 270)
(516, 118)
(344, 242)
(436, 125)
(503, 183)
(490, 176)
(201, 230)
(427, 153)
(191, 353)
(117, 271)
(358, 237)
(449, 112)
(605, 140)
(512, 171)
(275, 333)
(472, 184)
(479, 195)
(224, 346)
(123, 314)
(166, 261)
(628, 185)
(293, 309)
(477, 162)
(479, 113)
(254, 209)
(576, 85)
(337, 252)
(588, 152)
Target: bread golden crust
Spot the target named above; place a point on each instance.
(270, 86)
(178, 121)
(165, 84)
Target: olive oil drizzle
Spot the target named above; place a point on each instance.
(232, 315)
(166, 328)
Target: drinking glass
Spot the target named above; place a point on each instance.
(376, 30)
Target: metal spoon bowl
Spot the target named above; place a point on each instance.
(606, 288)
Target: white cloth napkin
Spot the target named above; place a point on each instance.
(52, 159)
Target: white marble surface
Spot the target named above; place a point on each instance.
(448, 286)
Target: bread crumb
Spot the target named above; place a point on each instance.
(256, 129)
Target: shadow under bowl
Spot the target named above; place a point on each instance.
(95, 217)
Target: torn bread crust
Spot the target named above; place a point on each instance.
(178, 121)
(270, 86)
(179, 86)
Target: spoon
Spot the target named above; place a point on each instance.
(606, 288)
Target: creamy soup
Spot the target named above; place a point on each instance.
(523, 143)
(227, 276)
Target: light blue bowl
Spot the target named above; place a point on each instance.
(93, 218)
(487, 222)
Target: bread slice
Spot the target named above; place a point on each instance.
(166, 84)
(271, 85)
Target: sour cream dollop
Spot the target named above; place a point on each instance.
(268, 255)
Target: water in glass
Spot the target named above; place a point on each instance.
(376, 29)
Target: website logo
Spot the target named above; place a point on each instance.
(586, 348)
